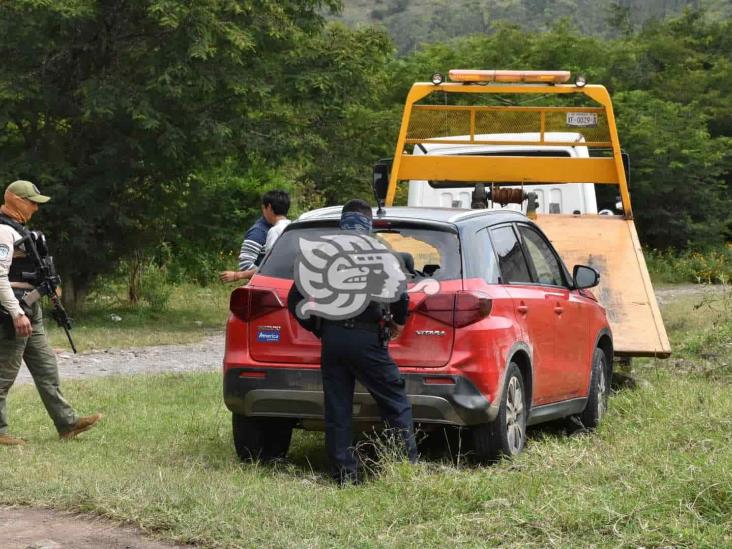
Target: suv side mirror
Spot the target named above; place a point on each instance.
(585, 277)
(380, 184)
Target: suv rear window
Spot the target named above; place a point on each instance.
(436, 252)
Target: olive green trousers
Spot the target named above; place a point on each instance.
(41, 362)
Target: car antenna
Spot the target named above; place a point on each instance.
(380, 211)
(380, 184)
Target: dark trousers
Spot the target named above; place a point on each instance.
(357, 354)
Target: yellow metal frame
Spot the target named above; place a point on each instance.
(504, 168)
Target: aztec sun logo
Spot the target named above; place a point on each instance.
(340, 274)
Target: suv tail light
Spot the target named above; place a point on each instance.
(438, 306)
(471, 307)
(456, 309)
(250, 303)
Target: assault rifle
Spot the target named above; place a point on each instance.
(46, 281)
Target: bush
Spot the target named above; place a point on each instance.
(155, 289)
(713, 266)
(200, 267)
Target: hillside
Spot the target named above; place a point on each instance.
(412, 23)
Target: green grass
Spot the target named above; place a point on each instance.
(700, 330)
(656, 473)
(109, 322)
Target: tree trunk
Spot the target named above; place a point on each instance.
(134, 282)
(73, 294)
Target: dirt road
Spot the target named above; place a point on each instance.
(667, 294)
(24, 528)
(205, 355)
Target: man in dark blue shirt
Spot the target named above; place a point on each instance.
(355, 349)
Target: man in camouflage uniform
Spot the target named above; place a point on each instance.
(23, 336)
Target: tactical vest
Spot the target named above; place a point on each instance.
(22, 263)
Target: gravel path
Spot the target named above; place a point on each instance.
(669, 293)
(205, 355)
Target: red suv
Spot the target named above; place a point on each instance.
(509, 339)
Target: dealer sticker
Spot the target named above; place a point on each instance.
(582, 119)
(268, 334)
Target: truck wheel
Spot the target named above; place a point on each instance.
(261, 438)
(506, 435)
(599, 392)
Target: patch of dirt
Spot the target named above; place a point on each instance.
(206, 355)
(25, 528)
(669, 293)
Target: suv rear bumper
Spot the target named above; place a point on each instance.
(298, 393)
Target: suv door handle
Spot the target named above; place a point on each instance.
(523, 308)
(558, 310)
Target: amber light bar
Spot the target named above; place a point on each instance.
(547, 77)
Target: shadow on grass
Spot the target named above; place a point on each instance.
(450, 446)
(307, 457)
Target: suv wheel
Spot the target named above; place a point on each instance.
(506, 435)
(263, 438)
(599, 391)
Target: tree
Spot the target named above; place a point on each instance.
(337, 121)
(420, 23)
(678, 190)
(110, 106)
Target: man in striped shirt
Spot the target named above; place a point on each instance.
(275, 205)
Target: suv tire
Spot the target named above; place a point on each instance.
(599, 391)
(261, 438)
(506, 435)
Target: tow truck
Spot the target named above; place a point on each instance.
(529, 138)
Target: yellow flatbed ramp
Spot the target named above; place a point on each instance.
(610, 245)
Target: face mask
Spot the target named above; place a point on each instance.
(17, 208)
(354, 221)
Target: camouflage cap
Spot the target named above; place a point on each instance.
(26, 189)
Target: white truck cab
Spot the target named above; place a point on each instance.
(565, 198)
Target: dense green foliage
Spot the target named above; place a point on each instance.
(156, 124)
(414, 23)
(115, 107)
